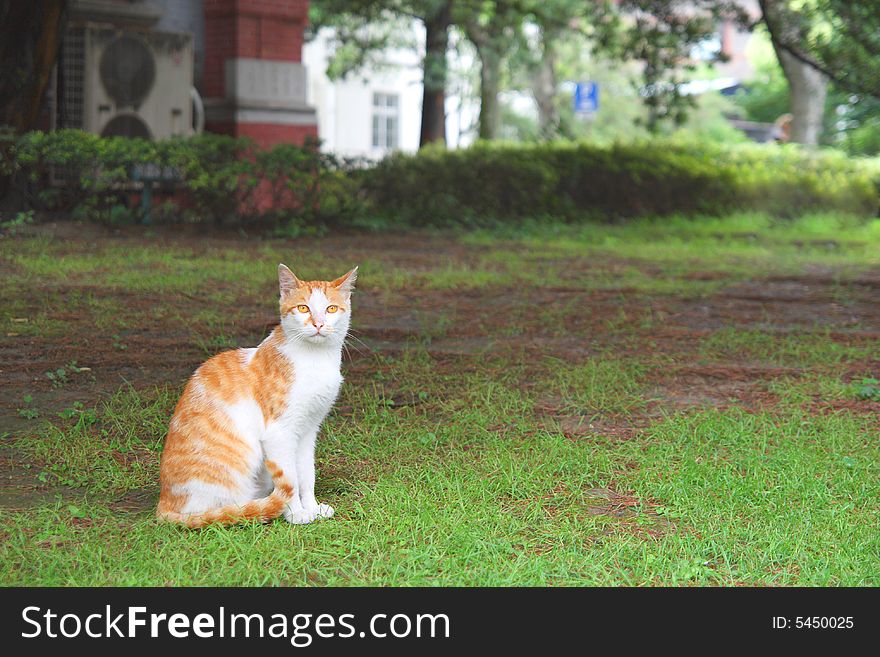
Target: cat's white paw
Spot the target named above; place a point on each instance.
(304, 516)
(300, 516)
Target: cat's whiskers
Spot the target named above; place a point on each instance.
(353, 336)
(347, 352)
(348, 346)
(360, 351)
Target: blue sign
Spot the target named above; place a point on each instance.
(586, 97)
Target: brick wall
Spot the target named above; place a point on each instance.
(252, 29)
(219, 44)
(267, 134)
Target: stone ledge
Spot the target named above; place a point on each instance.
(222, 111)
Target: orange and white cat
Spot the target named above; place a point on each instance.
(241, 443)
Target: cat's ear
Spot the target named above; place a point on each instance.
(287, 281)
(345, 284)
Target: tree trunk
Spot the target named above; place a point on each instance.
(544, 87)
(490, 108)
(808, 88)
(29, 40)
(434, 78)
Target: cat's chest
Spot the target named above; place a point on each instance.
(315, 387)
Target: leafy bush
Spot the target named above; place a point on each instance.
(72, 170)
(299, 189)
(217, 175)
(303, 188)
(790, 180)
(438, 187)
(578, 180)
(215, 178)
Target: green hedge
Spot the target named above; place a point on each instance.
(577, 181)
(222, 179)
(217, 179)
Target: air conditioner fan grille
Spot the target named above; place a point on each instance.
(128, 70)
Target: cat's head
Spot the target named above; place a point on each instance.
(317, 312)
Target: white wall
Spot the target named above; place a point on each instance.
(345, 107)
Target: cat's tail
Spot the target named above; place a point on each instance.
(263, 509)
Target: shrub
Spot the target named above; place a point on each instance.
(304, 188)
(299, 189)
(790, 180)
(439, 187)
(577, 180)
(71, 170)
(217, 174)
(217, 178)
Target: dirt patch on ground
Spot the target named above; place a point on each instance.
(143, 500)
(718, 386)
(788, 304)
(20, 485)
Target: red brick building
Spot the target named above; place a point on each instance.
(244, 57)
(254, 83)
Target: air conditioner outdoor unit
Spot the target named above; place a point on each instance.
(115, 82)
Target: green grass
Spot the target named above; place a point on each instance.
(716, 498)
(728, 243)
(460, 467)
(110, 449)
(661, 253)
(605, 384)
(798, 350)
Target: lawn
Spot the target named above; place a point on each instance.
(676, 402)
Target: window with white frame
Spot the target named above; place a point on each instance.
(386, 119)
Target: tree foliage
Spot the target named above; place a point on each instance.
(662, 35)
(840, 38)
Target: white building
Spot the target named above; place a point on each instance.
(378, 110)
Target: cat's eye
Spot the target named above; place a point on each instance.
(332, 309)
(303, 308)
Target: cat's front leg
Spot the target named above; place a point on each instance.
(281, 449)
(305, 470)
